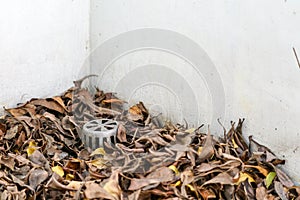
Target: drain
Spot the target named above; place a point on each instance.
(96, 132)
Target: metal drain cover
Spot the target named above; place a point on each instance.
(95, 132)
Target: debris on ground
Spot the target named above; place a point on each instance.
(42, 156)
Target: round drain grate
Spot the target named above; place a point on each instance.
(95, 132)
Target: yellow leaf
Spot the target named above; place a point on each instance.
(259, 168)
(58, 170)
(32, 143)
(191, 187)
(69, 177)
(191, 130)
(99, 151)
(243, 177)
(100, 163)
(174, 169)
(31, 148)
(234, 144)
(75, 160)
(176, 184)
(200, 150)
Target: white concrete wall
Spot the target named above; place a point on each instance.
(44, 43)
(42, 47)
(250, 43)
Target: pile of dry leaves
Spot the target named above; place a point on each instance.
(42, 157)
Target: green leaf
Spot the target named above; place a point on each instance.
(269, 179)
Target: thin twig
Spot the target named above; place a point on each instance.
(134, 135)
(296, 57)
(225, 136)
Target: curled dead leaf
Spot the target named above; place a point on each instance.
(94, 190)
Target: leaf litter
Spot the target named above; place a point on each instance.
(42, 156)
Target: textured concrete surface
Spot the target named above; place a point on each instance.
(248, 43)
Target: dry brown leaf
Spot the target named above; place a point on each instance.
(20, 159)
(2, 129)
(75, 185)
(59, 100)
(36, 177)
(119, 101)
(38, 158)
(280, 190)
(208, 149)
(93, 190)
(16, 112)
(21, 139)
(7, 161)
(121, 134)
(112, 185)
(11, 133)
(222, 178)
(207, 194)
(53, 183)
(138, 112)
(261, 193)
(283, 178)
(164, 174)
(100, 163)
(50, 104)
(135, 195)
(205, 167)
(136, 184)
(262, 170)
